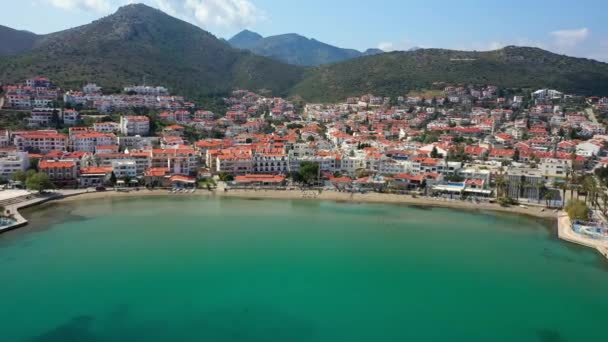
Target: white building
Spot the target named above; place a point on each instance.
(555, 168)
(91, 88)
(588, 149)
(13, 162)
(42, 117)
(106, 127)
(71, 117)
(87, 142)
(41, 142)
(134, 125)
(124, 168)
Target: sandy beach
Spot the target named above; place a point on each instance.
(325, 196)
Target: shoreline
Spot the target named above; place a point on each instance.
(342, 197)
(565, 233)
(561, 219)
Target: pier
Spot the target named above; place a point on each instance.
(565, 232)
(14, 200)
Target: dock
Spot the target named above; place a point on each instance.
(565, 232)
(13, 201)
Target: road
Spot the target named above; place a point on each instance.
(591, 115)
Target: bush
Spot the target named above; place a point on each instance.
(507, 201)
(577, 210)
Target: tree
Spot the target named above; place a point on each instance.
(113, 178)
(434, 152)
(577, 210)
(226, 177)
(20, 176)
(309, 171)
(34, 164)
(516, 155)
(548, 198)
(39, 182)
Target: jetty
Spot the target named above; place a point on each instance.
(14, 200)
(566, 233)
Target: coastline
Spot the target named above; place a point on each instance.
(564, 231)
(334, 196)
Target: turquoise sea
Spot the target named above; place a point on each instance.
(186, 269)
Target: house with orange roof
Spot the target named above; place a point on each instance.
(88, 141)
(40, 141)
(233, 161)
(179, 160)
(94, 176)
(61, 173)
(260, 180)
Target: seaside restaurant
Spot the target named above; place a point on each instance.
(470, 188)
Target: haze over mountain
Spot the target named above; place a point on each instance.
(138, 41)
(295, 49)
(14, 41)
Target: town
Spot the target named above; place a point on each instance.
(465, 143)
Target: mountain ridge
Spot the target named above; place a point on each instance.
(16, 41)
(139, 41)
(397, 72)
(295, 49)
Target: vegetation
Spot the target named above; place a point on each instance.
(138, 41)
(577, 210)
(39, 182)
(393, 74)
(308, 174)
(15, 41)
(507, 201)
(225, 177)
(295, 49)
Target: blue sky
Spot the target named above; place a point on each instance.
(571, 27)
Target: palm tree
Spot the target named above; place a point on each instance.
(549, 197)
(501, 185)
(564, 187)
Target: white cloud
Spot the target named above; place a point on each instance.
(570, 38)
(223, 14)
(219, 13)
(96, 5)
(386, 46)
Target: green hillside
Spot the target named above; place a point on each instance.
(398, 72)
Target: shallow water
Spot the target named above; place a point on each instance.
(177, 269)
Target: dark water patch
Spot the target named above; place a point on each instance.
(78, 329)
(548, 335)
(254, 323)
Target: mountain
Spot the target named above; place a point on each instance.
(396, 73)
(138, 41)
(295, 49)
(13, 41)
(371, 52)
(245, 40)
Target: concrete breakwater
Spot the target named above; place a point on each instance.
(565, 232)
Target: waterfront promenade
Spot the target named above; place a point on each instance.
(14, 200)
(565, 232)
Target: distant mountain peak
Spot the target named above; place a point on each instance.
(293, 48)
(133, 8)
(245, 39)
